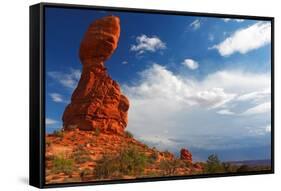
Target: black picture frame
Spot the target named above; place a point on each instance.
(37, 93)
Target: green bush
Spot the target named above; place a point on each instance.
(58, 133)
(85, 172)
(244, 168)
(153, 156)
(213, 165)
(130, 161)
(129, 134)
(228, 167)
(169, 167)
(80, 155)
(48, 143)
(167, 153)
(62, 164)
(106, 167)
(97, 131)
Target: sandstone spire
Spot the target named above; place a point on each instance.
(97, 102)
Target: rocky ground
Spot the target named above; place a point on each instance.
(77, 156)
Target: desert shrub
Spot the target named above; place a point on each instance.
(228, 167)
(62, 164)
(153, 157)
(48, 143)
(243, 168)
(169, 167)
(167, 153)
(85, 172)
(130, 161)
(145, 146)
(58, 133)
(72, 138)
(97, 131)
(129, 134)
(80, 155)
(106, 167)
(213, 165)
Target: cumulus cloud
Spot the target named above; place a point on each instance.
(246, 39)
(125, 62)
(191, 64)
(68, 80)
(162, 101)
(195, 24)
(147, 44)
(56, 97)
(49, 121)
(160, 83)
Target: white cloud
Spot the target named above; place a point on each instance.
(162, 101)
(191, 64)
(236, 20)
(225, 112)
(195, 24)
(238, 81)
(56, 97)
(239, 20)
(158, 82)
(246, 39)
(49, 121)
(68, 80)
(125, 62)
(157, 141)
(226, 19)
(255, 96)
(211, 98)
(258, 109)
(148, 44)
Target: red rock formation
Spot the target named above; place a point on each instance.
(97, 101)
(186, 155)
(198, 167)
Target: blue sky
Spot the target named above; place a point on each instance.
(197, 82)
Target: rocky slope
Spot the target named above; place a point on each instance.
(86, 149)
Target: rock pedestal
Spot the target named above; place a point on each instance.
(97, 102)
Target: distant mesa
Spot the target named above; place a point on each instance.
(97, 102)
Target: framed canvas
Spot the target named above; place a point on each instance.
(121, 95)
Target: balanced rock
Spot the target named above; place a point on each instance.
(186, 155)
(97, 102)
